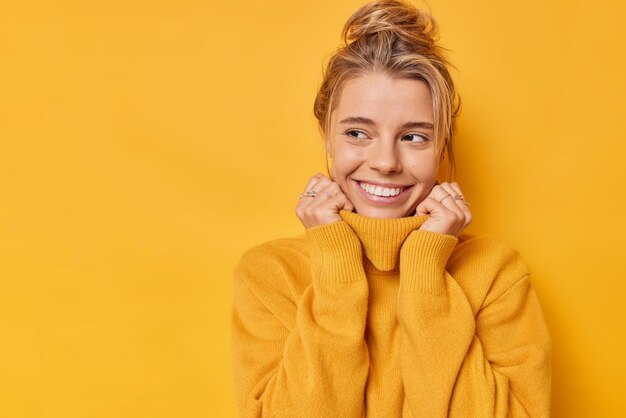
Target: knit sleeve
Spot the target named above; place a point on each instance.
(319, 365)
(454, 363)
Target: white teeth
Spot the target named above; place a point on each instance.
(381, 191)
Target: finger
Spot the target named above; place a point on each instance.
(324, 203)
(314, 179)
(446, 209)
(452, 203)
(455, 186)
(324, 189)
(335, 190)
(340, 201)
(428, 206)
(447, 199)
(348, 206)
(463, 205)
(321, 183)
(326, 193)
(315, 183)
(421, 207)
(305, 199)
(331, 189)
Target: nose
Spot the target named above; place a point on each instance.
(384, 157)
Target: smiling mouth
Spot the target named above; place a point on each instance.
(380, 191)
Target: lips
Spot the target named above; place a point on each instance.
(381, 191)
(372, 198)
(387, 185)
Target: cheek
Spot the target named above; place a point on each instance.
(345, 161)
(422, 168)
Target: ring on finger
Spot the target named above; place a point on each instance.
(460, 197)
(308, 193)
(449, 195)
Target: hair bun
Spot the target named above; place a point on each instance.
(396, 17)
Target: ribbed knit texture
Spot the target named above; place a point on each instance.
(377, 318)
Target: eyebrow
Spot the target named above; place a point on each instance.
(368, 121)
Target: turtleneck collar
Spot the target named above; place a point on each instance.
(382, 238)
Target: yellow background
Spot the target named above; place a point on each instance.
(147, 144)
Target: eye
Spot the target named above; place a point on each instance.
(418, 138)
(349, 133)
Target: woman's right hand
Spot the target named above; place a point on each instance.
(323, 208)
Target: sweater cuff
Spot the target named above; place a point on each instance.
(423, 259)
(336, 253)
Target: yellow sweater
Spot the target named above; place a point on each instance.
(374, 317)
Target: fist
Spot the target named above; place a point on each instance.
(324, 207)
(449, 213)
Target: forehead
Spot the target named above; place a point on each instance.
(385, 99)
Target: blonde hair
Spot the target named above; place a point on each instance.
(398, 39)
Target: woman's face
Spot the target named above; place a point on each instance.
(382, 138)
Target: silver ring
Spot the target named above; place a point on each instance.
(308, 193)
(460, 197)
(445, 198)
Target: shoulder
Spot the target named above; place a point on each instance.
(274, 253)
(276, 271)
(486, 265)
(488, 251)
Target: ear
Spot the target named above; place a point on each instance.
(329, 149)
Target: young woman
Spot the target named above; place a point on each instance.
(385, 306)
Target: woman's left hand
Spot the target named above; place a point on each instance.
(447, 215)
